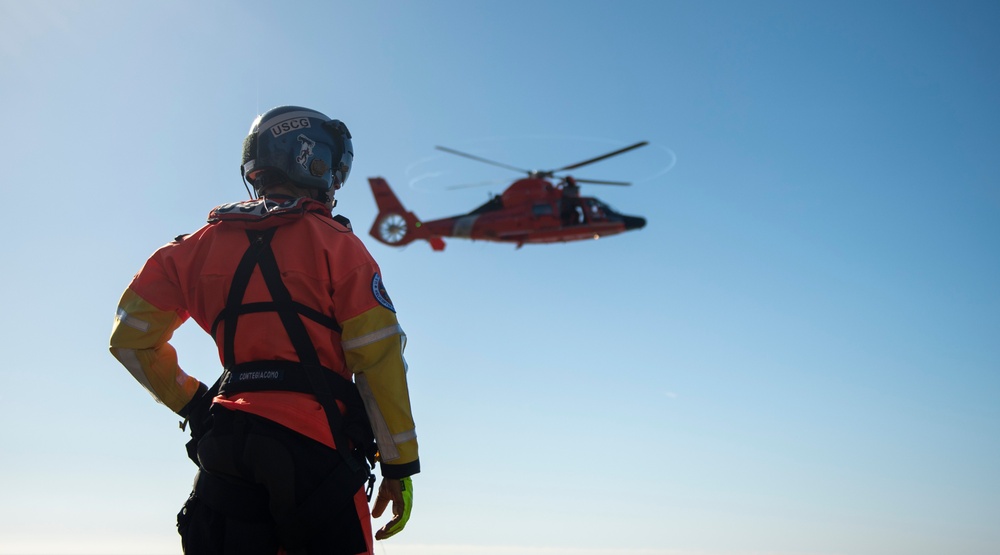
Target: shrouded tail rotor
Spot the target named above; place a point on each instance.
(392, 228)
(394, 225)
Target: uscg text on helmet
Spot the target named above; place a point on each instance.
(281, 128)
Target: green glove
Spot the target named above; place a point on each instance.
(400, 492)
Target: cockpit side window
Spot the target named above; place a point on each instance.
(542, 209)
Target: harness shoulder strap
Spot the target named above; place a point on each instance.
(260, 255)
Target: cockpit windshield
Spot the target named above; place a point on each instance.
(604, 206)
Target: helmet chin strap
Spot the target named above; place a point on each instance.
(326, 198)
(331, 202)
(251, 192)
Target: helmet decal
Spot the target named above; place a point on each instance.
(306, 152)
(318, 167)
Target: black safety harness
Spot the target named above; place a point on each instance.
(305, 376)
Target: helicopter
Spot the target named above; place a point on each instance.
(531, 210)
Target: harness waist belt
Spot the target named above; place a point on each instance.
(280, 375)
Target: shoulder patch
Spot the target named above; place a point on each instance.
(181, 237)
(381, 295)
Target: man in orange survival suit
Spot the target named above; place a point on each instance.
(297, 307)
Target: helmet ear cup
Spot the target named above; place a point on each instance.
(342, 139)
(337, 128)
(342, 135)
(249, 155)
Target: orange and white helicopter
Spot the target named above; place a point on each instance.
(531, 210)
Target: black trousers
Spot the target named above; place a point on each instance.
(261, 487)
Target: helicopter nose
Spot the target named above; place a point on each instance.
(634, 222)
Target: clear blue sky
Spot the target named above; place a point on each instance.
(800, 353)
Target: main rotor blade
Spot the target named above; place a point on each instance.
(602, 157)
(478, 184)
(598, 182)
(484, 160)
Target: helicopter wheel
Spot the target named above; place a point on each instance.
(392, 228)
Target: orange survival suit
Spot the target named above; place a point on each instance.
(332, 293)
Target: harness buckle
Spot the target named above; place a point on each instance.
(371, 486)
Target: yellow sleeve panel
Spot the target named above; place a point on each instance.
(139, 340)
(373, 345)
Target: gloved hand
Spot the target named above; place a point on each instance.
(196, 413)
(400, 492)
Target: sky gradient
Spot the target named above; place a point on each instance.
(799, 354)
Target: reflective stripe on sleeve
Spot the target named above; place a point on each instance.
(372, 337)
(132, 321)
(130, 361)
(405, 436)
(383, 437)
